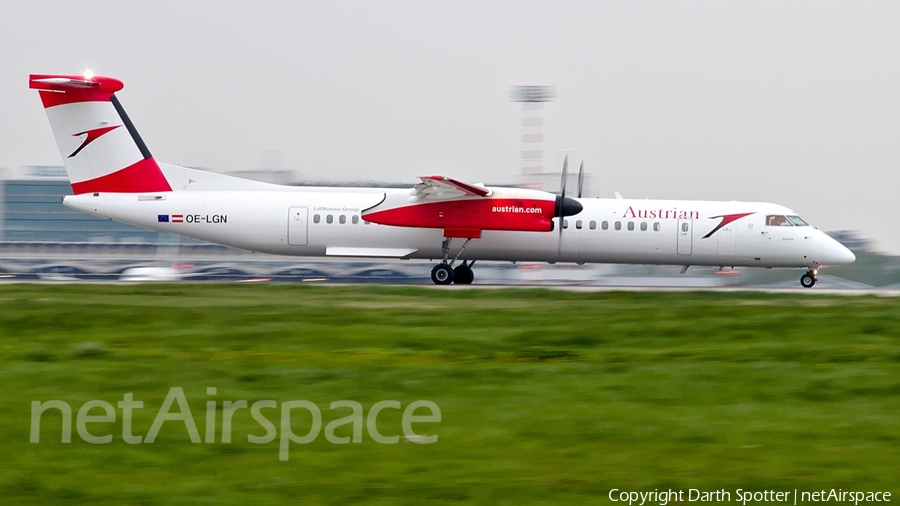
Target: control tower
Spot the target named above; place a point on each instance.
(532, 97)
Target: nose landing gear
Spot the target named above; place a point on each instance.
(809, 279)
(444, 273)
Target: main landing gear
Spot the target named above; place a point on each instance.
(809, 279)
(463, 274)
(444, 273)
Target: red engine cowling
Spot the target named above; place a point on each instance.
(468, 217)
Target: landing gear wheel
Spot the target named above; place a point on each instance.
(807, 280)
(442, 274)
(463, 275)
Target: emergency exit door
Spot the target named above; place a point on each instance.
(685, 236)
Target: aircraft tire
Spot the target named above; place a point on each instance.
(807, 281)
(442, 274)
(463, 275)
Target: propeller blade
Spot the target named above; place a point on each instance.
(562, 199)
(565, 174)
(580, 179)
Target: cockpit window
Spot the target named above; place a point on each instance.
(798, 221)
(776, 220)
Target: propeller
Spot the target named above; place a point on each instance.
(560, 202)
(565, 206)
(580, 179)
(565, 177)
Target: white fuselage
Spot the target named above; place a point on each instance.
(326, 222)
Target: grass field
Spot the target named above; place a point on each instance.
(545, 396)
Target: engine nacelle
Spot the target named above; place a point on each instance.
(510, 209)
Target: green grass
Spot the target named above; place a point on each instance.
(546, 396)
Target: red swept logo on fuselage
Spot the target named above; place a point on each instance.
(726, 219)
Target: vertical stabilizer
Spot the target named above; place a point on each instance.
(101, 148)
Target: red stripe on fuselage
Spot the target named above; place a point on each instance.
(143, 176)
(527, 215)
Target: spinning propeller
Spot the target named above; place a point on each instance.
(580, 179)
(567, 206)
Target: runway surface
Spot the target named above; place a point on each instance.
(583, 288)
(567, 288)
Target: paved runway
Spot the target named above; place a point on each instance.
(584, 288)
(568, 288)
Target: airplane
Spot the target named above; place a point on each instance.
(114, 176)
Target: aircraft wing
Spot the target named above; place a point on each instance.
(443, 188)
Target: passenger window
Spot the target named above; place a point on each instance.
(366, 222)
(593, 225)
(605, 225)
(578, 224)
(355, 219)
(776, 220)
(630, 225)
(342, 219)
(316, 218)
(684, 227)
(618, 225)
(565, 224)
(656, 227)
(643, 226)
(329, 219)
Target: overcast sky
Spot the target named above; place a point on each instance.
(796, 103)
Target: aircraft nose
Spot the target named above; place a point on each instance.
(836, 253)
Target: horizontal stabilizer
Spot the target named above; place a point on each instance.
(81, 88)
(66, 82)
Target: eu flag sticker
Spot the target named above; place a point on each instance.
(162, 218)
